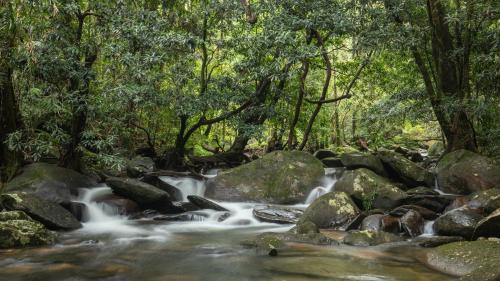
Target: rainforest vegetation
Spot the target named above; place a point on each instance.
(88, 84)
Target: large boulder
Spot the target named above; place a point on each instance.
(362, 160)
(331, 210)
(405, 170)
(489, 226)
(458, 222)
(369, 189)
(279, 177)
(488, 200)
(17, 229)
(52, 215)
(140, 165)
(476, 260)
(49, 182)
(464, 172)
(146, 195)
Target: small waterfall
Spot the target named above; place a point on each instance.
(327, 184)
(428, 228)
(101, 217)
(186, 185)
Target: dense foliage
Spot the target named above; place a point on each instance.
(93, 81)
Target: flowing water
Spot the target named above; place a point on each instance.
(114, 247)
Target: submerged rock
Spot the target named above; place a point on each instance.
(360, 160)
(52, 215)
(331, 210)
(476, 260)
(146, 195)
(280, 177)
(140, 165)
(406, 170)
(370, 238)
(49, 182)
(277, 214)
(17, 229)
(459, 222)
(370, 190)
(272, 243)
(203, 203)
(464, 172)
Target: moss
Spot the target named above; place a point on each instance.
(14, 215)
(24, 233)
(462, 258)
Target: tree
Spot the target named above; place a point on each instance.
(10, 120)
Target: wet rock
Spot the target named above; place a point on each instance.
(412, 223)
(464, 172)
(435, 203)
(277, 214)
(173, 191)
(280, 177)
(475, 259)
(186, 206)
(421, 190)
(355, 223)
(146, 195)
(380, 222)
(370, 238)
(77, 209)
(324, 153)
(370, 190)
(459, 222)
(203, 203)
(331, 210)
(119, 205)
(434, 241)
(140, 165)
(402, 210)
(489, 226)
(191, 216)
(49, 182)
(332, 162)
(52, 215)
(362, 160)
(17, 229)
(223, 217)
(488, 200)
(405, 170)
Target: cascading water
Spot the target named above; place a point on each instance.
(428, 228)
(187, 186)
(327, 183)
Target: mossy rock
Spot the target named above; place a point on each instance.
(370, 238)
(479, 259)
(139, 165)
(50, 182)
(331, 210)
(52, 215)
(370, 190)
(405, 170)
(280, 177)
(489, 200)
(17, 229)
(458, 222)
(464, 172)
(436, 149)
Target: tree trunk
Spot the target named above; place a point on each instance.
(10, 117)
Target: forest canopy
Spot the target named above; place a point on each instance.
(91, 83)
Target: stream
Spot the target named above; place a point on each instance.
(114, 247)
